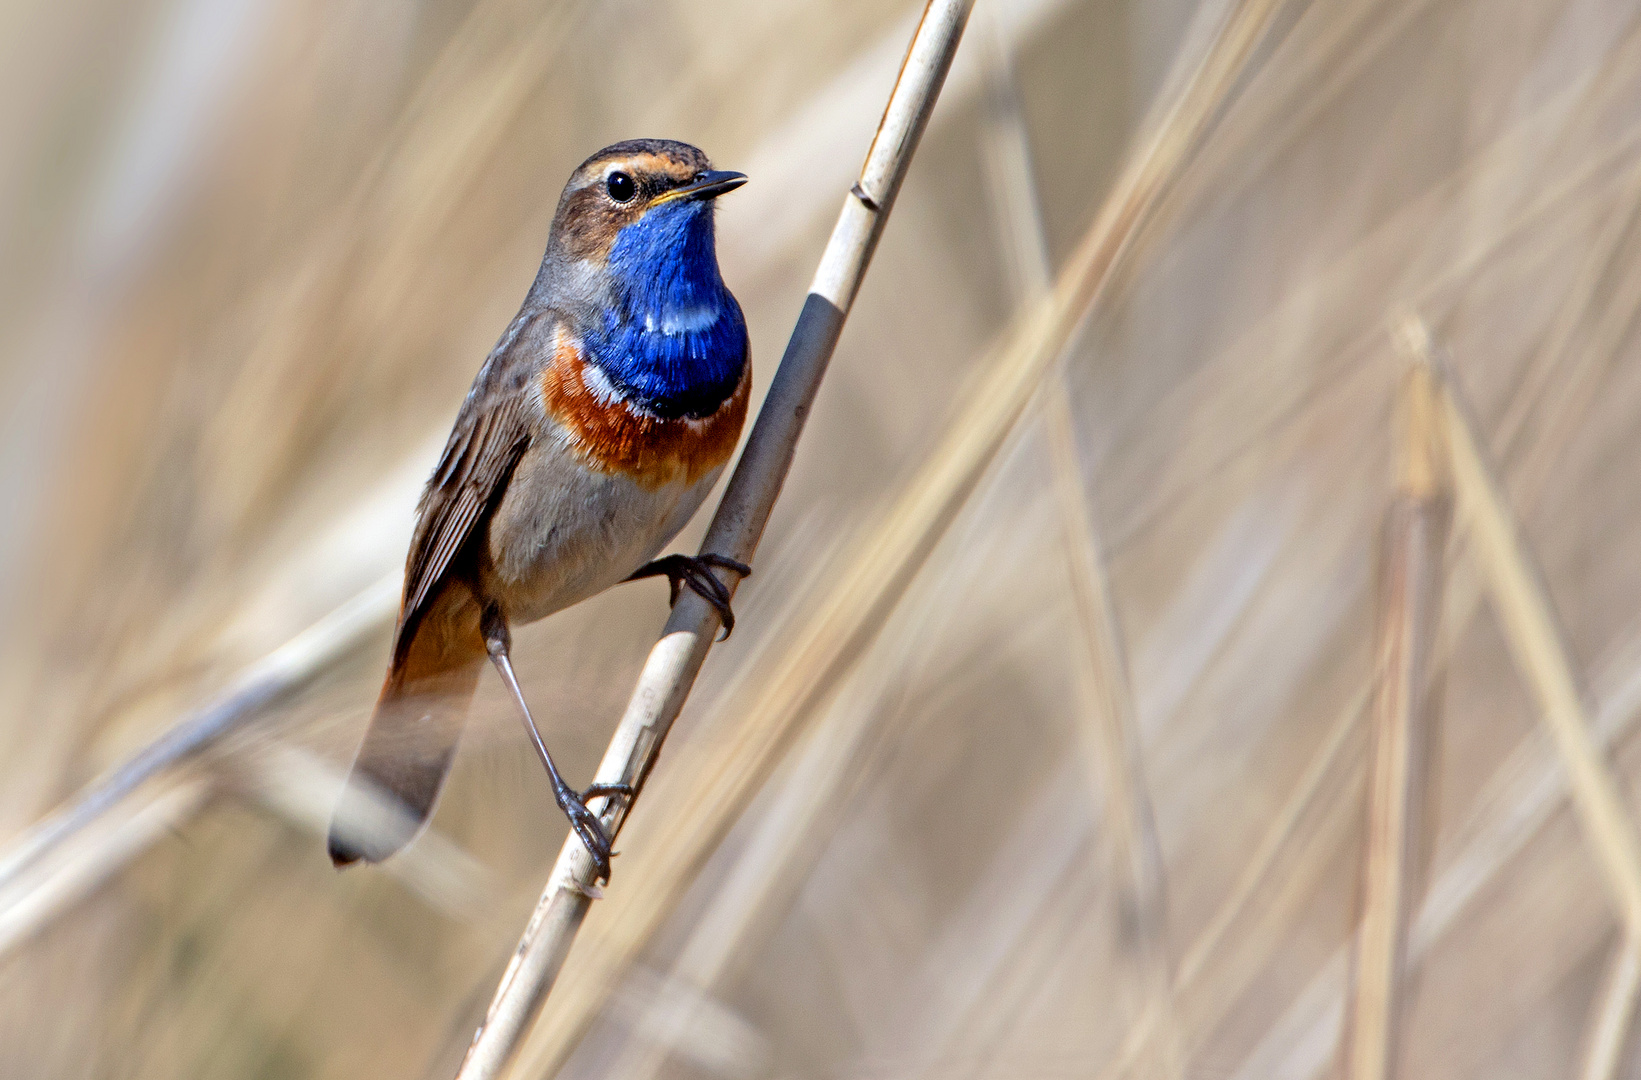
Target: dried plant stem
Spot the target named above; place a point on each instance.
(1529, 622)
(1525, 791)
(1108, 731)
(1405, 707)
(1613, 1014)
(735, 530)
(1533, 786)
(70, 871)
(1523, 603)
(281, 672)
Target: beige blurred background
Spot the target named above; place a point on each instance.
(251, 254)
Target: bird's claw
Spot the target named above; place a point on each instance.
(695, 571)
(593, 791)
(587, 826)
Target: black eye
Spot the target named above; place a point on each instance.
(621, 187)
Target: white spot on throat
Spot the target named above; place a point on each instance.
(605, 393)
(675, 321)
(598, 384)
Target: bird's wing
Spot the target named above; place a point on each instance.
(491, 432)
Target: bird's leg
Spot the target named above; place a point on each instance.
(497, 641)
(696, 572)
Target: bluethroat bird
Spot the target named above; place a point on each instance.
(592, 433)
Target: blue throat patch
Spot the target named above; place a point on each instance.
(674, 342)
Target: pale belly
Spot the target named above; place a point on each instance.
(564, 532)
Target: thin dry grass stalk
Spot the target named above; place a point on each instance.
(715, 784)
(1109, 732)
(1535, 640)
(1405, 708)
(259, 685)
(1524, 795)
(1536, 643)
(1529, 787)
(1525, 791)
(1610, 1030)
(735, 529)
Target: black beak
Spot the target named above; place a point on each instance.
(709, 185)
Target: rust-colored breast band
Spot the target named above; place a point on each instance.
(612, 436)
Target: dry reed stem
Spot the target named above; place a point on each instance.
(257, 686)
(1529, 622)
(72, 870)
(1536, 642)
(1520, 800)
(1530, 787)
(1609, 1030)
(1405, 710)
(735, 530)
(1108, 733)
(722, 780)
(1521, 807)
(1113, 748)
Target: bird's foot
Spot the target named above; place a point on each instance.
(587, 826)
(696, 572)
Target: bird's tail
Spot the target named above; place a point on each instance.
(412, 736)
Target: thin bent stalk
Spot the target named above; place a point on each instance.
(1534, 635)
(1405, 707)
(1605, 1051)
(1530, 625)
(259, 685)
(736, 527)
(1297, 1044)
(1108, 731)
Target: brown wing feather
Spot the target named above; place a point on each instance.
(491, 433)
(438, 651)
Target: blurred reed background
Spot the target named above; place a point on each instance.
(251, 253)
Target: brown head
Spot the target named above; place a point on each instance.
(620, 184)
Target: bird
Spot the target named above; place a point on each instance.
(592, 433)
